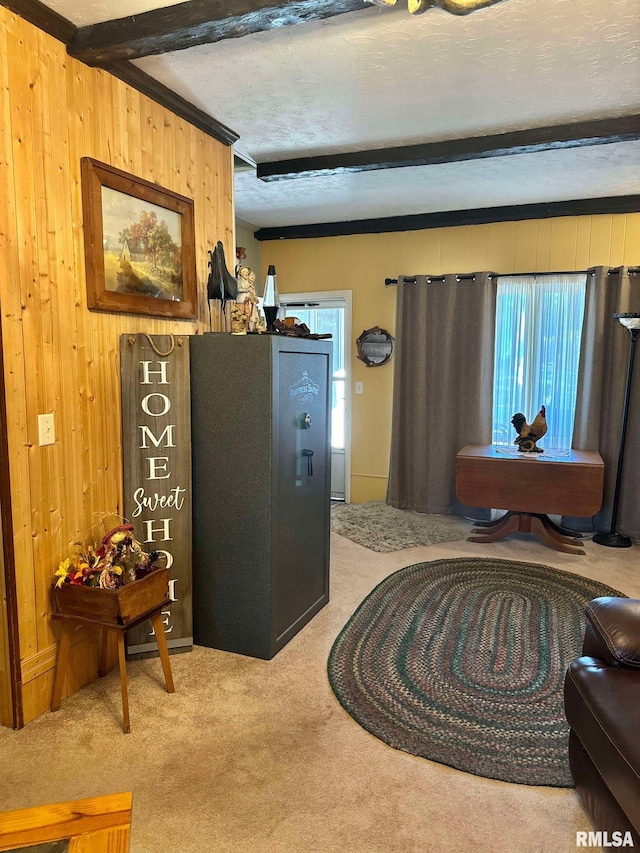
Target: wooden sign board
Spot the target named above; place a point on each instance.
(156, 451)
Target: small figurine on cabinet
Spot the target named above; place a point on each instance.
(529, 434)
(248, 298)
(239, 321)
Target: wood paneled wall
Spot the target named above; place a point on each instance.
(361, 263)
(60, 357)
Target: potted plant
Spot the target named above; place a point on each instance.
(113, 582)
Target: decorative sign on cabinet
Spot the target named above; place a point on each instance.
(156, 449)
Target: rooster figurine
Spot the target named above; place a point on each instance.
(528, 434)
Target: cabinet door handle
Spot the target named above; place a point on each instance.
(309, 455)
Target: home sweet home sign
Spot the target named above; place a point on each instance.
(156, 451)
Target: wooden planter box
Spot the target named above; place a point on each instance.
(114, 606)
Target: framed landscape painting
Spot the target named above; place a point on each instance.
(139, 244)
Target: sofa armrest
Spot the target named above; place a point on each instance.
(613, 632)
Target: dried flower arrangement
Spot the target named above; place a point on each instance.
(117, 560)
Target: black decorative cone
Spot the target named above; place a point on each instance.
(270, 315)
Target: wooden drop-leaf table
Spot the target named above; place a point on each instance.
(531, 487)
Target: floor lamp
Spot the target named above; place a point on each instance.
(631, 322)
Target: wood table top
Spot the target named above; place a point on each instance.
(509, 452)
(490, 476)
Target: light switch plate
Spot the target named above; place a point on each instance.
(46, 430)
(359, 387)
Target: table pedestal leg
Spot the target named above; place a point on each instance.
(542, 527)
(524, 522)
(493, 523)
(563, 531)
(509, 523)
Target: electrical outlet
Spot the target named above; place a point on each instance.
(359, 387)
(46, 430)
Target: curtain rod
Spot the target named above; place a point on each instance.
(470, 276)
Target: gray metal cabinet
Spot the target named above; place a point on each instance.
(261, 488)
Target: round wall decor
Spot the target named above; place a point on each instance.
(375, 346)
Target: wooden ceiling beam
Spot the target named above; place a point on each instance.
(195, 22)
(454, 218)
(531, 141)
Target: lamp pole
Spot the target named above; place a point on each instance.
(612, 539)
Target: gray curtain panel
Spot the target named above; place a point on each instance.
(601, 383)
(443, 381)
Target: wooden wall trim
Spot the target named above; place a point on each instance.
(8, 558)
(143, 82)
(43, 17)
(45, 660)
(453, 218)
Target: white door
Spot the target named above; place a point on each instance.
(324, 313)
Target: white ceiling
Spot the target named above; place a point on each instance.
(382, 77)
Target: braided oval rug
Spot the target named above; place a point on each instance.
(463, 661)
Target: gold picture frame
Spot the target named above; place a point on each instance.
(139, 242)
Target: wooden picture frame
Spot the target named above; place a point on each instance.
(93, 825)
(139, 244)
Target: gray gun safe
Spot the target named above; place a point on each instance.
(260, 415)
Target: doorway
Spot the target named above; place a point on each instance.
(329, 312)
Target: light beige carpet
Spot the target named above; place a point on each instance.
(257, 756)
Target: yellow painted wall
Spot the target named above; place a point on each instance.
(58, 356)
(362, 262)
(245, 237)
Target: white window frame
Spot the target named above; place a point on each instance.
(346, 296)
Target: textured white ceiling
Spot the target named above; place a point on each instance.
(85, 12)
(382, 77)
(519, 179)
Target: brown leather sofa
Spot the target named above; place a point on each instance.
(602, 704)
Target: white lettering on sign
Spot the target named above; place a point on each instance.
(147, 502)
(165, 435)
(146, 373)
(169, 558)
(150, 530)
(153, 502)
(165, 621)
(158, 463)
(165, 405)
